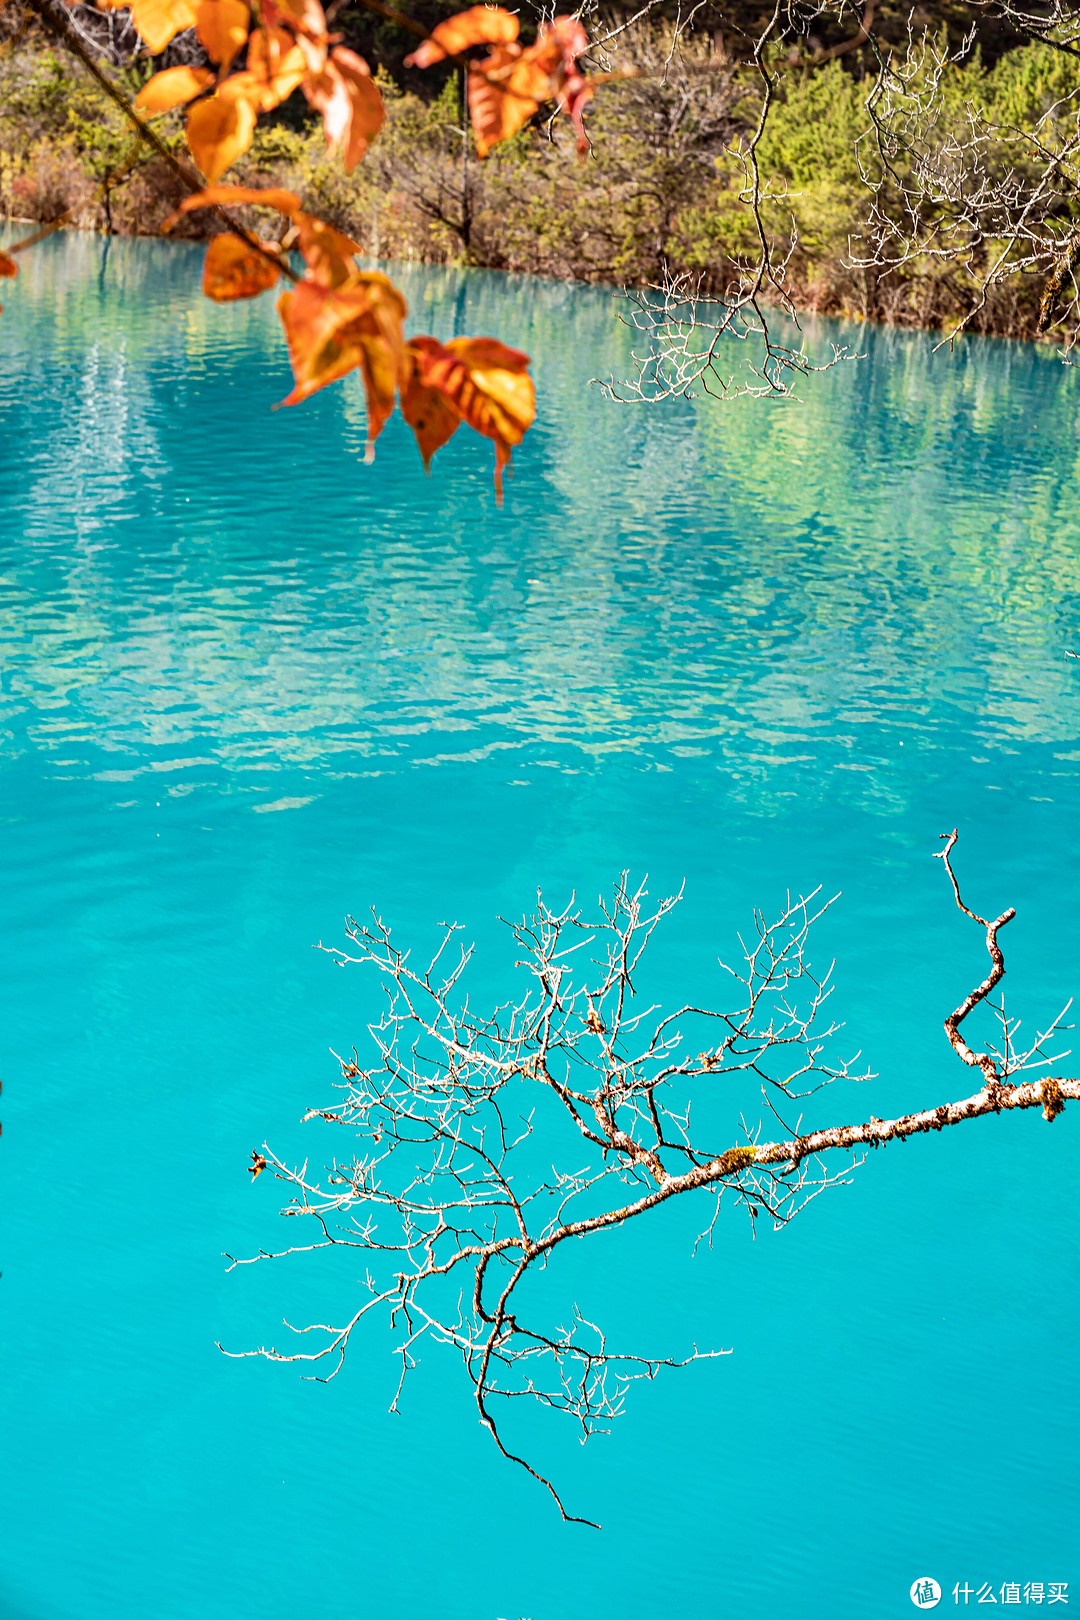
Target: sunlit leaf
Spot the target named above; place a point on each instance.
(219, 130)
(158, 21)
(275, 67)
(302, 16)
(481, 382)
(233, 270)
(569, 37)
(307, 21)
(425, 406)
(173, 88)
(349, 101)
(285, 202)
(575, 94)
(505, 89)
(222, 27)
(332, 331)
(327, 252)
(8, 267)
(480, 25)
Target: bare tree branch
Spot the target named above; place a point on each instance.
(455, 1199)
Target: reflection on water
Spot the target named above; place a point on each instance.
(187, 571)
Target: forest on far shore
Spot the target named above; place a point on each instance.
(658, 190)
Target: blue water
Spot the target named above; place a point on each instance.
(249, 684)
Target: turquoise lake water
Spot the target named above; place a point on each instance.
(249, 684)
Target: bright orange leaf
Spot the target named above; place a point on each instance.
(306, 21)
(425, 407)
(233, 270)
(8, 267)
(480, 25)
(505, 89)
(567, 34)
(173, 88)
(275, 67)
(306, 18)
(348, 98)
(219, 130)
(222, 27)
(284, 202)
(158, 21)
(327, 252)
(332, 331)
(481, 381)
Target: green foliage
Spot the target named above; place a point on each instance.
(660, 188)
(809, 159)
(1024, 85)
(61, 139)
(55, 102)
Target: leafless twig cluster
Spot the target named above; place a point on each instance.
(948, 184)
(489, 1140)
(687, 355)
(111, 36)
(955, 198)
(686, 352)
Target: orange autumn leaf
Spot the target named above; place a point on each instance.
(332, 331)
(568, 36)
(158, 21)
(425, 407)
(232, 269)
(480, 25)
(222, 27)
(219, 130)
(285, 202)
(172, 88)
(348, 98)
(307, 21)
(505, 89)
(327, 253)
(8, 267)
(572, 100)
(303, 24)
(483, 382)
(275, 67)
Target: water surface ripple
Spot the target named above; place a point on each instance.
(248, 683)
